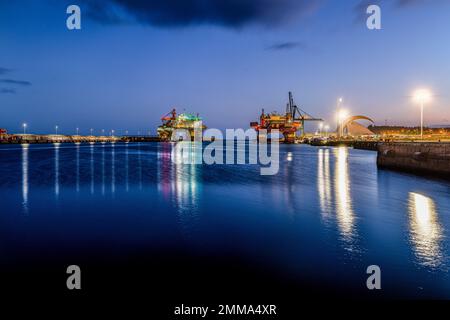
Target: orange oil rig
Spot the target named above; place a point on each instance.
(183, 121)
(288, 124)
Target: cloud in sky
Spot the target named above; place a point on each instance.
(7, 90)
(17, 82)
(4, 70)
(167, 13)
(289, 45)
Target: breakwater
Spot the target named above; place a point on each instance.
(54, 138)
(417, 157)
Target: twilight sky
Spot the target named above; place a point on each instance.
(133, 61)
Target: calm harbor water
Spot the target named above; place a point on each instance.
(326, 216)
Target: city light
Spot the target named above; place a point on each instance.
(24, 128)
(56, 129)
(342, 115)
(422, 96)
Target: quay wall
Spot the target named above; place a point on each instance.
(416, 157)
(34, 138)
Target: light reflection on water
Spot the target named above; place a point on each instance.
(56, 145)
(425, 231)
(324, 182)
(25, 177)
(359, 208)
(185, 187)
(344, 209)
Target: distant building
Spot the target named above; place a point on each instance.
(3, 132)
(350, 127)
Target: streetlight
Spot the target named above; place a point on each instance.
(342, 115)
(56, 130)
(92, 130)
(422, 96)
(339, 103)
(327, 127)
(24, 128)
(320, 128)
(78, 130)
(103, 132)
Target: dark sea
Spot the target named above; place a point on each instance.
(139, 224)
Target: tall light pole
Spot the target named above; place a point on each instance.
(326, 130)
(320, 128)
(339, 103)
(56, 130)
(24, 128)
(78, 130)
(92, 130)
(342, 115)
(422, 96)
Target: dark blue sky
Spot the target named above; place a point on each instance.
(133, 61)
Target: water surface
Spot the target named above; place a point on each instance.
(326, 216)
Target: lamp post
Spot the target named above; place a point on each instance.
(342, 115)
(339, 103)
(422, 96)
(327, 127)
(24, 128)
(56, 130)
(78, 131)
(320, 128)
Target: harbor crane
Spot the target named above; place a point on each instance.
(288, 124)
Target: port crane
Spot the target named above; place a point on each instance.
(287, 124)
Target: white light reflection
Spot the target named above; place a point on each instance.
(345, 215)
(78, 167)
(56, 145)
(25, 177)
(425, 231)
(140, 166)
(324, 181)
(92, 168)
(289, 156)
(186, 185)
(103, 169)
(113, 168)
(127, 169)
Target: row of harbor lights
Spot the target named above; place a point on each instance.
(24, 126)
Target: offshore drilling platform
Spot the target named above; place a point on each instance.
(184, 121)
(288, 124)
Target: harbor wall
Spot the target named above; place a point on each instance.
(416, 157)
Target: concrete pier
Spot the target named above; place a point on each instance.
(417, 157)
(54, 138)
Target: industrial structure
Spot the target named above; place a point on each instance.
(287, 124)
(183, 121)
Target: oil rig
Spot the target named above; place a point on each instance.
(288, 124)
(183, 121)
